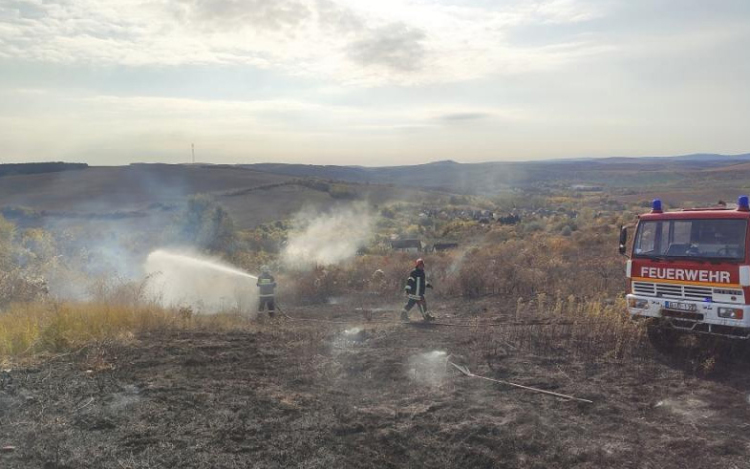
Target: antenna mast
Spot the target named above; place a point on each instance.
(192, 148)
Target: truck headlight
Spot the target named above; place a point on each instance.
(731, 313)
(638, 304)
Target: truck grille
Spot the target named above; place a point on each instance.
(668, 290)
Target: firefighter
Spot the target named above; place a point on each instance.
(415, 289)
(267, 284)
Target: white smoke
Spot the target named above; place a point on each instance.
(205, 285)
(430, 368)
(330, 238)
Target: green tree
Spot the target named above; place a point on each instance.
(388, 213)
(39, 243)
(206, 225)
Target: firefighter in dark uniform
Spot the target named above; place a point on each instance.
(267, 284)
(415, 289)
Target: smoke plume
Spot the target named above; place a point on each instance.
(330, 238)
(428, 368)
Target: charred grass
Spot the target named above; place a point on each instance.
(126, 384)
(375, 394)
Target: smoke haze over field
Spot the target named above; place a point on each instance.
(429, 368)
(325, 239)
(205, 285)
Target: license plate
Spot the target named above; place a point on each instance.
(680, 306)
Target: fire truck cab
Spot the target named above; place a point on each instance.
(689, 269)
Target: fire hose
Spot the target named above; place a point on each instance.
(434, 323)
(463, 369)
(468, 373)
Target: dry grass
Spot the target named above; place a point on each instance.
(31, 328)
(587, 328)
(584, 265)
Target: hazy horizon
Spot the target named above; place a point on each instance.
(355, 83)
(198, 162)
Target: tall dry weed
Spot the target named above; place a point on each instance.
(30, 328)
(587, 328)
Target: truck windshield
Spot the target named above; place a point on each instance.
(702, 239)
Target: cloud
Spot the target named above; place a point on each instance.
(259, 14)
(566, 11)
(396, 46)
(465, 116)
(371, 80)
(358, 42)
(22, 9)
(338, 18)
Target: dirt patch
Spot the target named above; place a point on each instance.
(335, 396)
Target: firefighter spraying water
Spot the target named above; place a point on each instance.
(267, 286)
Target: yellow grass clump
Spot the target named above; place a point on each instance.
(599, 327)
(31, 328)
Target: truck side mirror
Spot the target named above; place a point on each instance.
(623, 240)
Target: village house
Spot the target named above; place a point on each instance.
(445, 246)
(407, 245)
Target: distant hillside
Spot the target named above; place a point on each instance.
(443, 175)
(149, 194)
(95, 188)
(741, 167)
(494, 177)
(710, 159)
(140, 194)
(37, 168)
(339, 173)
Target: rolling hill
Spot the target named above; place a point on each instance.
(494, 177)
(145, 194)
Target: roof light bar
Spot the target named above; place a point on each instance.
(743, 204)
(656, 206)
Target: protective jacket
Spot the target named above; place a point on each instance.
(267, 285)
(416, 284)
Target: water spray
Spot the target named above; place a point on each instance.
(202, 284)
(197, 263)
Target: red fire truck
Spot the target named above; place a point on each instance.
(689, 270)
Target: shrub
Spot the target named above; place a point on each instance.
(388, 213)
(204, 224)
(338, 191)
(532, 226)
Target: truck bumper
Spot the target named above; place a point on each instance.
(692, 316)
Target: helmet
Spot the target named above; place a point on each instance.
(419, 263)
(264, 269)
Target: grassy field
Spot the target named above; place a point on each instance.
(359, 393)
(95, 373)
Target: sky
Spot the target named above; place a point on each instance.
(367, 82)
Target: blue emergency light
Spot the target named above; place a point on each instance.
(656, 206)
(743, 205)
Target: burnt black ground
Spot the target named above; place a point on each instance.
(310, 395)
